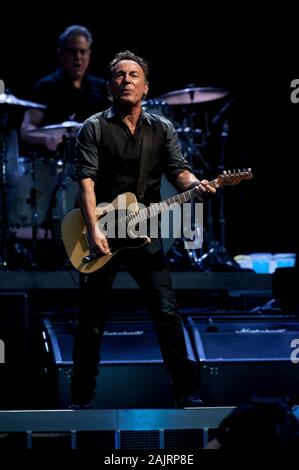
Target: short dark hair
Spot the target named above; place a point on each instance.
(74, 30)
(128, 55)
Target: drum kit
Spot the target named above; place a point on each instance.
(180, 106)
(37, 191)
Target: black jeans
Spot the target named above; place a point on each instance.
(148, 267)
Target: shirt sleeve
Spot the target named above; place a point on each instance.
(175, 163)
(87, 150)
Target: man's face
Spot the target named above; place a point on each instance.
(75, 56)
(128, 84)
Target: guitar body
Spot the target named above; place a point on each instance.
(74, 235)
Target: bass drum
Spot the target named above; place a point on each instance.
(30, 183)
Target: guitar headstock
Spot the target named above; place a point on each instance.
(231, 178)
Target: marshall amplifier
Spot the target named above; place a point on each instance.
(241, 358)
(132, 373)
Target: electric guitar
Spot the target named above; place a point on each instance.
(121, 230)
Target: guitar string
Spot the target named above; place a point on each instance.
(147, 210)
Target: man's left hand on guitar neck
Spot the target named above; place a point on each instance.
(204, 189)
(187, 180)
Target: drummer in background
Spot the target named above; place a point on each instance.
(69, 93)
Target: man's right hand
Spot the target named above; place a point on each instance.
(98, 244)
(52, 141)
(32, 133)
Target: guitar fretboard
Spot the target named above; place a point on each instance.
(159, 207)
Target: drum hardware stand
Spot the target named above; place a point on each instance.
(189, 131)
(65, 149)
(193, 151)
(32, 200)
(221, 167)
(217, 248)
(3, 182)
(217, 255)
(48, 223)
(66, 176)
(189, 256)
(6, 232)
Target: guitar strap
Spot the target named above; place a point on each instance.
(145, 158)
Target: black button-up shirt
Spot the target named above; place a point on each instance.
(64, 101)
(107, 152)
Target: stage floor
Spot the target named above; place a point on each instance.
(241, 281)
(111, 429)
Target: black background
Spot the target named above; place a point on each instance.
(251, 53)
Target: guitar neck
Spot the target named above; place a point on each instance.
(227, 178)
(159, 207)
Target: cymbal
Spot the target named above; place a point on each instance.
(66, 126)
(14, 101)
(193, 95)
